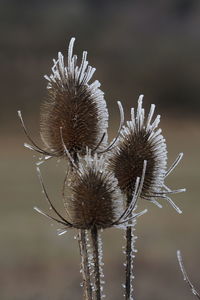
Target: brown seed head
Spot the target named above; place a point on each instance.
(95, 196)
(140, 141)
(75, 106)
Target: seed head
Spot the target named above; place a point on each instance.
(74, 105)
(140, 141)
(95, 196)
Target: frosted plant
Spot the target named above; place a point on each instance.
(73, 119)
(185, 276)
(141, 140)
(74, 105)
(74, 114)
(94, 202)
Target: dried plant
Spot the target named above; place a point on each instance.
(141, 141)
(74, 105)
(104, 181)
(95, 202)
(185, 276)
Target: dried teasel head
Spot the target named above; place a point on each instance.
(141, 140)
(95, 198)
(75, 106)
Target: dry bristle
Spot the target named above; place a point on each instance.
(95, 197)
(75, 106)
(140, 142)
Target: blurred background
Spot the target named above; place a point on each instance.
(137, 46)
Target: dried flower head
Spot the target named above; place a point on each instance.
(73, 106)
(94, 197)
(140, 140)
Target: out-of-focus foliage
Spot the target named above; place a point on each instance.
(149, 47)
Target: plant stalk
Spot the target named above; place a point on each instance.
(87, 287)
(128, 272)
(96, 255)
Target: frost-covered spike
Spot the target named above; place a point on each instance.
(48, 216)
(61, 231)
(139, 113)
(150, 115)
(175, 163)
(70, 51)
(33, 145)
(155, 202)
(132, 123)
(121, 111)
(42, 160)
(155, 123)
(137, 215)
(140, 187)
(131, 206)
(64, 221)
(175, 191)
(30, 147)
(185, 276)
(172, 204)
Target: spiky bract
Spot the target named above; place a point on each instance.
(140, 141)
(95, 198)
(73, 105)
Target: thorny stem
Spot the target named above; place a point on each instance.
(87, 287)
(128, 273)
(97, 280)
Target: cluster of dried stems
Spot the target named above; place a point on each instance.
(104, 181)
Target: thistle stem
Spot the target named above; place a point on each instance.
(87, 287)
(96, 254)
(129, 242)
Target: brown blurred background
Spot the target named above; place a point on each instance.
(137, 46)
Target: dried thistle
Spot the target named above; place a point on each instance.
(95, 202)
(75, 106)
(94, 196)
(140, 140)
(96, 199)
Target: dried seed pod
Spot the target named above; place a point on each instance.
(95, 198)
(75, 106)
(140, 141)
